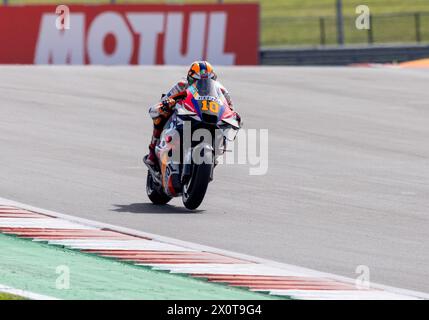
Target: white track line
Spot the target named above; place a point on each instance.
(24, 293)
(238, 269)
(42, 223)
(117, 245)
(261, 266)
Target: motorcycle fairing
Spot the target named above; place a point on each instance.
(174, 175)
(170, 171)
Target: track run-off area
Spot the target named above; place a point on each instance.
(348, 172)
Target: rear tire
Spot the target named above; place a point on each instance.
(195, 190)
(156, 196)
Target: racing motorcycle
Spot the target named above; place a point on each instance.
(193, 138)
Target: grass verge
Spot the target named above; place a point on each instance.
(7, 296)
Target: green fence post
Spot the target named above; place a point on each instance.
(340, 22)
(418, 27)
(322, 31)
(370, 30)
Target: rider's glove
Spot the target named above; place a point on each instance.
(168, 104)
(166, 107)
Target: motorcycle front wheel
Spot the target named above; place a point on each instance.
(195, 189)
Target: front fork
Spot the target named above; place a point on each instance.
(187, 166)
(189, 163)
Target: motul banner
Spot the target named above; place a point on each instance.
(224, 34)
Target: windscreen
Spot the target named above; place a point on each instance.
(210, 100)
(207, 87)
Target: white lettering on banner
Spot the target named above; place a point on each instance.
(216, 40)
(174, 39)
(68, 46)
(103, 25)
(60, 46)
(148, 26)
(63, 20)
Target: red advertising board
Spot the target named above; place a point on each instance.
(224, 34)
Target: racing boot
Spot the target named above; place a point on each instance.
(150, 159)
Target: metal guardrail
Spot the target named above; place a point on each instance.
(324, 56)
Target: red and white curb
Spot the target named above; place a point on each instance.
(162, 253)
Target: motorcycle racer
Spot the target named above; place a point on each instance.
(161, 112)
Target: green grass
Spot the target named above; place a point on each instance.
(7, 296)
(296, 22)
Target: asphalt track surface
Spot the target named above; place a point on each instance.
(348, 177)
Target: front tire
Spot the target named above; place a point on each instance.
(195, 190)
(156, 196)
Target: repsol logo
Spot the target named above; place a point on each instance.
(134, 38)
